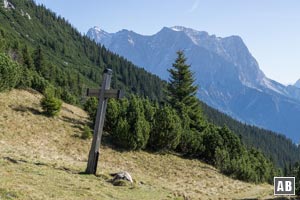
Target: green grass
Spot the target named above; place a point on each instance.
(30, 180)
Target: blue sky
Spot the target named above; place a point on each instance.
(270, 28)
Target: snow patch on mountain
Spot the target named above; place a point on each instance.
(270, 85)
(130, 40)
(175, 28)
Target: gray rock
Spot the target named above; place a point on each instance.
(123, 175)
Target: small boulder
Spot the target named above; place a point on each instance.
(120, 178)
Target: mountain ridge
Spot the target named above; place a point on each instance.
(228, 75)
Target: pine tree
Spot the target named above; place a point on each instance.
(50, 104)
(27, 60)
(181, 86)
(39, 60)
(181, 91)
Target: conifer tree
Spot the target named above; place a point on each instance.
(39, 61)
(27, 60)
(50, 104)
(181, 91)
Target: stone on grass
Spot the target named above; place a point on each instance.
(121, 178)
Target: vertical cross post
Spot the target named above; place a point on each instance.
(94, 151)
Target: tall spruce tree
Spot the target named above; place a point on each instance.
(181, 91)
(39, 60)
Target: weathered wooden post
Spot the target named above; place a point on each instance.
(104, 93)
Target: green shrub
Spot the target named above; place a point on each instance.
(132, 129)
(211, 141)
(68, 97)
(87, 132)
(112, 114)
(166, 130)
(90, 106)
(38, 83)
(10, 73)
(191, 143)
(51, 105)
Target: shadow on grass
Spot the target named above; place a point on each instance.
(107, 141)
(40, 164)
(76, 123)
(23, 109)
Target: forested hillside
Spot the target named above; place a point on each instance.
(48, 44)
(279, 148)
(52, 53)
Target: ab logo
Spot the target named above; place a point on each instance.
(284, 185)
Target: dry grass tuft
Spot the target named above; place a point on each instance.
(43, 158)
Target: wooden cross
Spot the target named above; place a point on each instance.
(104, 93)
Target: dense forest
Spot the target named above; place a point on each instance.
(48, 52)
(47, 44)
(276, 146)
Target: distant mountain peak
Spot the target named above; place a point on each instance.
(97, 28)
(185, 29)
(125, 32)
(98, 34)
(191, 32)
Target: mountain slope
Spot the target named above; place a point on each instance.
(47, 156)
(75, 62)
(70, 61)
(228, 75)
(297, 84)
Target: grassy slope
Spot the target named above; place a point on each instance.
(41, 158)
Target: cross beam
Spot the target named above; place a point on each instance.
(117, 94)
(104, 94)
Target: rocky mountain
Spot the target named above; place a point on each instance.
(228, 76)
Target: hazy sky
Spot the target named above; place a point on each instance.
(270, 28)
